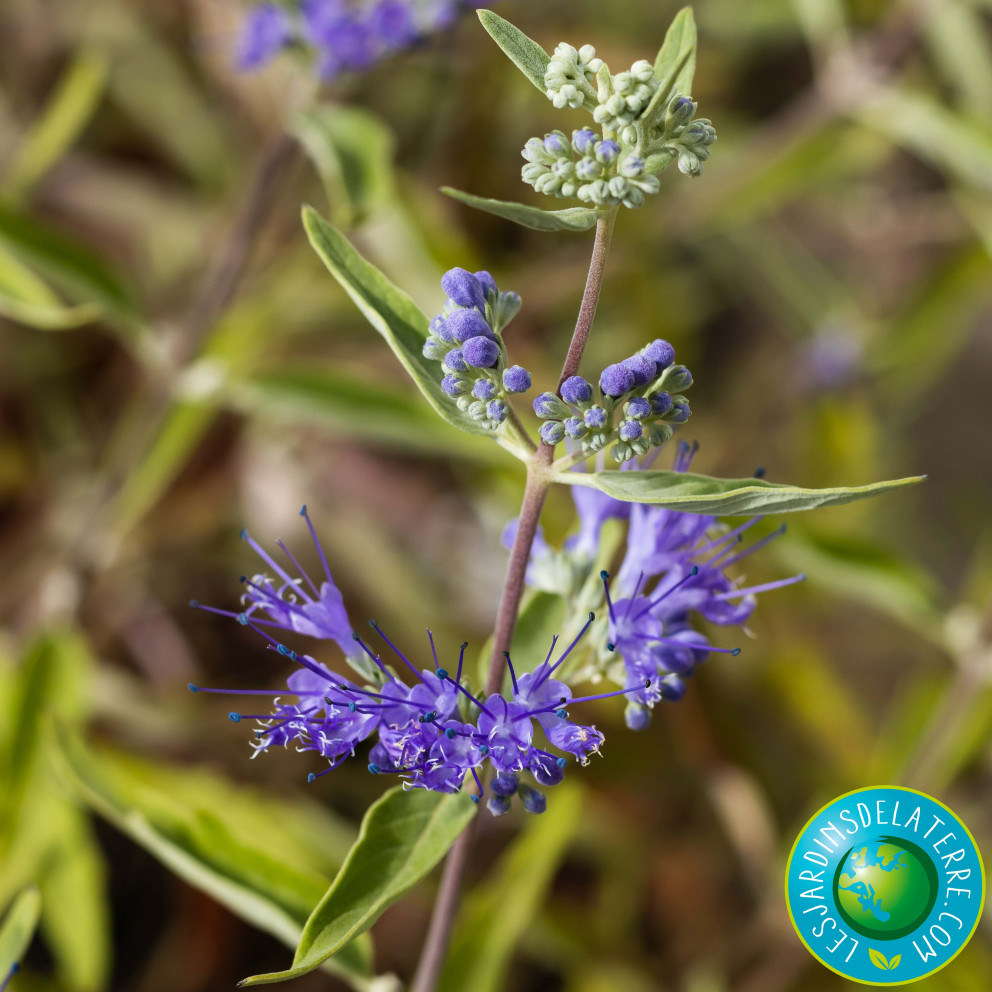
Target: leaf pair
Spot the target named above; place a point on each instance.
(879, 960)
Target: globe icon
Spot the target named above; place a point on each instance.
(885, 887)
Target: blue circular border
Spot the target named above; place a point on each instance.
(858, 966)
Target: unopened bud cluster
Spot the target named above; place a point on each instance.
(645, 126)
(637, 402)
(466, 339)
(594, 169)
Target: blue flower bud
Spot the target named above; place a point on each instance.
(637, 717)
(455, 360)
(498, 805)
(516, 379)
(552, 432)
(549, 774)
(638, 408)
(587, 169)
(584, 141)
(480, 352)
(574, 427)
(465, 324)
(534, 801)
(556, 144)
(607, 151)
(548, 406)
(661, 403)
(434, 349)
(677, 378)
(483, 389)
(462, 287)
(439, 328)
(660, 352)
(455, 385)
(595, 417)
(496, 411)
(643, 369)
(576, 390)
(615, 380)
(672, 688)
(680, 412)
(630, 430)
(487, 283)
(505, 784)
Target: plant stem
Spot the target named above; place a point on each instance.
(590, 298)
(539, 479)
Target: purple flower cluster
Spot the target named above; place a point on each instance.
(342, 35)
(637, 401)
(675, 568)
(433, 733)
(466, 339)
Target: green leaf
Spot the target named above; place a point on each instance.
(894, 961)
(255, 880)
(569, 219)
(395, 316)
(358, 408)
(61, 261)
(692, 493)
(75, 915)
(69, 110)
(352, 150)
(403, 836)
(679, 39)
(487, 935)
(860, 570)
(17, 929)
(525, 53)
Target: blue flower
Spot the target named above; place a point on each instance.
(265, 32)
(433, 733)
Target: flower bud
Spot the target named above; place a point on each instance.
(661, 352)
(498, 805)
(661, 403)
(480, 352)
(638, 408)
(548, 406)
(534, 801)
(637, 717)
(455, 385)
(642, 368)
(488, 284)
(434, 349)
(505, 784)
(516, 379)
(483, 389)
(454, 361)
(595, 417)
(574, 427)
(552, 432)
(466, 324)
(576, 390)
(496, 411)
(630, 430)
(615, 380)
(462, 287)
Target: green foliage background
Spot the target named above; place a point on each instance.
(846, 210)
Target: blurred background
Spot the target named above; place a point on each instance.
(177, 364)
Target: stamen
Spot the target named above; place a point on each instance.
(605, 576)
(299, 568)
(683, 644)
(375, 658)
(578, 637)
(396, 650)
(654, 602)
(461, 688)
(316, 541)
(269, 560)
(242, 692)
(756, 546)
(767, 587)
(633, 595)
(608, 695)
(730, 535)
(461, 661)
(513, 674)
(430, 637)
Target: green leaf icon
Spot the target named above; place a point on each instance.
(894, 962)
(878, 959)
